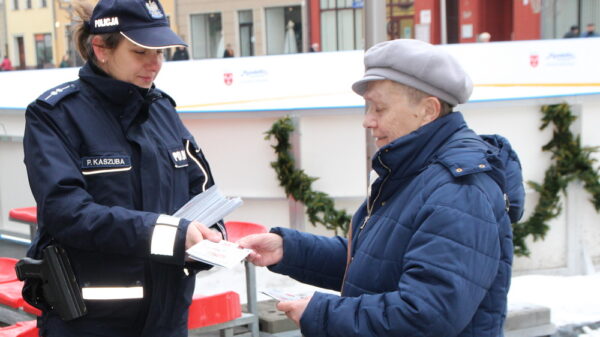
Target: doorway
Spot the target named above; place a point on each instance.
(20, 52)
(452, 21)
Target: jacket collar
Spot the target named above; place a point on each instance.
(411, 153)
(115, 91)
(133, 99)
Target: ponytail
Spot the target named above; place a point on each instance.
(83, 37)
(81, 34)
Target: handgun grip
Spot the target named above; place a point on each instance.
(28, 268)
(61, 291)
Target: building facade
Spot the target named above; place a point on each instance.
(3, 44)
(465, 20)
(559, 15)
(63, 38)
(339, 25)
(30, 33)
(249, 27)
(38, 34)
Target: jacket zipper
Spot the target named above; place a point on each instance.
(362, 226)
(197, 161)
(372, 205)
(205, 172)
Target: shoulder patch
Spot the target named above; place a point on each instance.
(56, 94)
(164, 94)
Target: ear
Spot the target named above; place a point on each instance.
(100, 50)
(431, 109)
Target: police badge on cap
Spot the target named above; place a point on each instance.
(142, 22)
(154, 10)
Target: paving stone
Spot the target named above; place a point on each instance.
(271, 320)
(528, 320)
(525, 316)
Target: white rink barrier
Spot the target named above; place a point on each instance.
(228, 104)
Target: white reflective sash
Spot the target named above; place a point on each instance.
(108, 170)
(112, 293)
(164, 234)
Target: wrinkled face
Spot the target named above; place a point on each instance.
(131, 63)
(390, 114)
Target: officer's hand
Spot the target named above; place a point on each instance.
(294, 309)
(196, 232)
(267, 249)
(207, 233)
(192, 236)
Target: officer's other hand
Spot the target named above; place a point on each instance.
(267, 249)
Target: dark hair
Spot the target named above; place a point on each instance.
(82, 35)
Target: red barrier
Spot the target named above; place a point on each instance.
(238, 229)
(20, 329)
(24, 214)
(214, 309)
(7, 269)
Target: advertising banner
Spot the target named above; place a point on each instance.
(322, 80)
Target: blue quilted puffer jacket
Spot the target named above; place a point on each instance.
(431, 250)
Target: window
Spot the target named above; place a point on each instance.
(43, 4)
(284, 30)
(207, 36)
(15, 5)
(341, 25)
(400, 14)
(246, 33)
(28, 4)
(43, 50)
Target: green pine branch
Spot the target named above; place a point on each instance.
(571, 162)
(297, 184)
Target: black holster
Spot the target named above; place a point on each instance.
(50, 284)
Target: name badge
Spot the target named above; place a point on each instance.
(105, 164)
(179, 157)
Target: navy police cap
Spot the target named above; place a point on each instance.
(143, 22)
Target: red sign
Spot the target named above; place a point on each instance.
(534, 60)
(228, 78)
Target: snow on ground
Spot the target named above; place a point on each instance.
(573, 300)
(219, 280)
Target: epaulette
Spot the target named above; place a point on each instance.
(56, 94)
(164, 94)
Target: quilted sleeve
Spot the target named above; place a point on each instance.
(449, 266)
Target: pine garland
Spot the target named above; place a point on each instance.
(571, 162)
(297, 184)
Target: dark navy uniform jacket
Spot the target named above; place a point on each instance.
(107, 162)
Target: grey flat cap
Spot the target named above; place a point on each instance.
(419, 65)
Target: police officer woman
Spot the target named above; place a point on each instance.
(108, 159)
